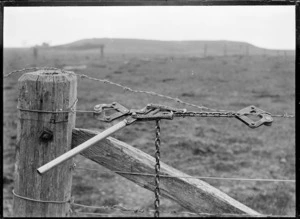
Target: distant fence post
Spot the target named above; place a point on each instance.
(35, 53)
(247, 50)
(205, 50)
(225, 50)
(42, 136)
(102, 51)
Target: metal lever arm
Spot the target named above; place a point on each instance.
(48, 166)
(142, 115)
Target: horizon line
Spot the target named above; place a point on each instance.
(144, 39)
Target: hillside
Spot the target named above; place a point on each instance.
(175, 48)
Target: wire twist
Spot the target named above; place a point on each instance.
(157, 170)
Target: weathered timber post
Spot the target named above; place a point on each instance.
(42, 136)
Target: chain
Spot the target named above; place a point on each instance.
(157, 170)
(223, 114)
(285, 115)
(206, 114)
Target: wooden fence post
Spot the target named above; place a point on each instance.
(42, 136)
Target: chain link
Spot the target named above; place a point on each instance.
(157, 170)
(206, 114)
(224, 114)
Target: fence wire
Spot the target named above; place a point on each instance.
(174, 212)
(126, 88)
(177, 100)
(193, 177)
(137, 210)
(204, 214)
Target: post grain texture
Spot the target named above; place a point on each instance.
(193, 194)
(43, 136)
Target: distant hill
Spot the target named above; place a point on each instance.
(157, 47)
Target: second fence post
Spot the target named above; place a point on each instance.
(42, 136)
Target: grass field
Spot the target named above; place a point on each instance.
(222, 147)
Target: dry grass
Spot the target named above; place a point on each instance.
(198, 146)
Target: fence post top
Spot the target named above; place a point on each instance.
(57, 73)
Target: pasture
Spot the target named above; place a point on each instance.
(221, 147)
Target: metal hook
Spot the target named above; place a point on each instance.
(266, 118)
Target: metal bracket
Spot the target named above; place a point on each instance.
(154, 115)
(150, 112)
(266, 118)
(100, 111)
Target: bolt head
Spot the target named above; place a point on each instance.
(46, 135)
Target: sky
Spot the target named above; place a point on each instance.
(271, 27)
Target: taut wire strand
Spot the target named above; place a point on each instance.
(147, 92)
(36, 200)
(177, 100)
(141, 210)
(70, 109)
(196, 177)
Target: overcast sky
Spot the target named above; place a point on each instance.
(264, 26)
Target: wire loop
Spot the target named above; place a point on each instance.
(37, 200)
(70, 109)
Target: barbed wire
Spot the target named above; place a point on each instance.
(193, 177)
(105, 81)
(24, 70)
(125, 209)
(147, 92)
